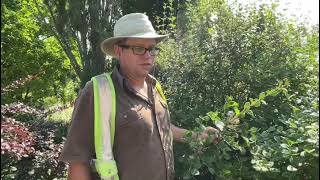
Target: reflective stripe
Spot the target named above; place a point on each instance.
(113, 112)
(104, 126)
(107, 168)
(159, 89)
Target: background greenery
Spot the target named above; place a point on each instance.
(246, 70)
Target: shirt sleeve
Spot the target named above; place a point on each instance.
(79, 145)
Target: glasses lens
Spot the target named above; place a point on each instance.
(139, 50)
(154, 51)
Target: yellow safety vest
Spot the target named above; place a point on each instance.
(104, 124)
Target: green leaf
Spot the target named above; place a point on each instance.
(250, 112)
(214, 116)
(277, 139)
(237, 111)
(195, 172)
(13, 168)
(284, 146)
(291, 142)
(31, 172)
(246, 106)
(257, 104)
(229, 98)
(219, 125)
(264, 102)
(227, 173)
(262, 95)
(295, 149)
(291, 168)
(246, 140)
(309, 150)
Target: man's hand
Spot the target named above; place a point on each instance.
(215, 134)
(78, 171)
(179, 134)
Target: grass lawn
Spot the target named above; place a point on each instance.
(64, 115)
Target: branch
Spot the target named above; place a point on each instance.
(84, 45)
(80, 47)
(62, 41)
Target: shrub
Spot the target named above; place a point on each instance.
(16, 139)
(221, 50)
(30, 149)
(286, 150)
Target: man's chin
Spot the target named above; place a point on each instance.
(146, 69)
(144, 73)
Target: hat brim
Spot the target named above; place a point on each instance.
(107, 46)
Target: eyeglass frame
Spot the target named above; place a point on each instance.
(145, 49)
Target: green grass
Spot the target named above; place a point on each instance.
(64, 115)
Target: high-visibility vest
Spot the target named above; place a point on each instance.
(104, 124)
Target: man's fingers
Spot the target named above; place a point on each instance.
(217, 136)
(212, 133)
(211, 129)
(216, 140)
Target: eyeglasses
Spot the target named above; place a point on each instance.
(138, 50)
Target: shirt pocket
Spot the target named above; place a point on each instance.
(129, 116)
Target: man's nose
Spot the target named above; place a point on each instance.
(147, 54)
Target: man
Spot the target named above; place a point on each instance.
(143, 136)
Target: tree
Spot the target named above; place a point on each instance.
(79, 27)
(32, 63)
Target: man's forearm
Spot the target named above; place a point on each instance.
(178, 133)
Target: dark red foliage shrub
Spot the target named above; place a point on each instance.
(30, 149)
(16, 139)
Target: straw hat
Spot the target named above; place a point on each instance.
(134, 25)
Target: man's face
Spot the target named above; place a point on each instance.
(132, 61)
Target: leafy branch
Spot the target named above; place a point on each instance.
(233, 129)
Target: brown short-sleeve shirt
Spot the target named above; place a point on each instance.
(143, 139)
